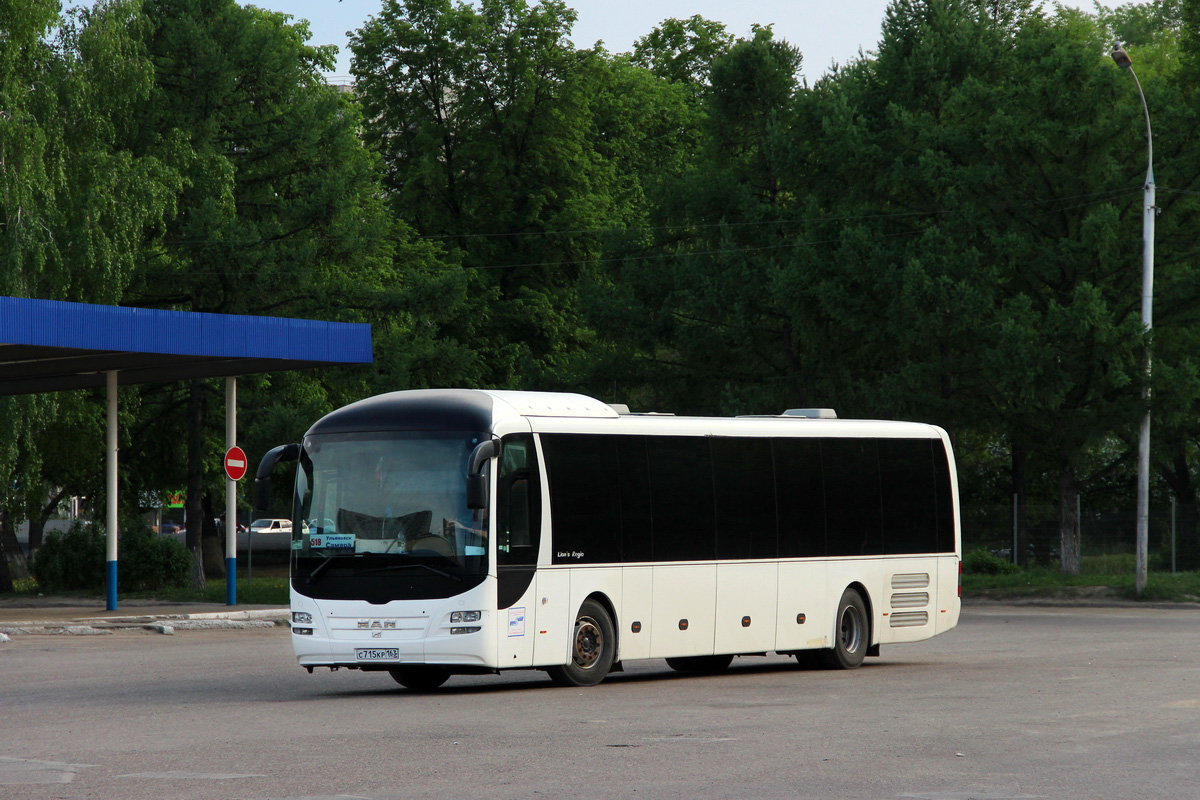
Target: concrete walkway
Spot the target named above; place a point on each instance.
(80, 616)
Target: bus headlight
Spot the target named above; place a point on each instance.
(302, 617)
(465, 616)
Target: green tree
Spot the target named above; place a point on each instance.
(1166, 51)
(487, 120)
(1012, 186)
(280, 212)
(683, 51)
(712, 326)
(936, 233)
(76, 204)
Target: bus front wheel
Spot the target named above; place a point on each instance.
(593, 648)
(419, 679)
(851, 634)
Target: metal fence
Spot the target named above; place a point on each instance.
(991, 527)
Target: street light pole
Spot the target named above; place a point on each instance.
(1148, 212)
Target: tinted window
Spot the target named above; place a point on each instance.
(945, 503)
(633, 478)
(586, 513)
(518, 503)
(681, 498)
(743, 477)
(906, 480)
(673, 498)
(801, 492)
(852, 501)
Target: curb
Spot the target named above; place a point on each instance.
(158, 623)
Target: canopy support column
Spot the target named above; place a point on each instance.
(231, 526)
(111, 480)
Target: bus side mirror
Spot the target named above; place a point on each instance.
(262, 478)
(476, 483)
(476, 491)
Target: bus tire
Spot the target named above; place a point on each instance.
(593, 648)
(419, 679)
(808, 659)
(703, 664)
(851, 634)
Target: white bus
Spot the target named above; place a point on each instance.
(443, 532)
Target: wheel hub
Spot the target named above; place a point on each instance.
(851, 630)
(588, 642)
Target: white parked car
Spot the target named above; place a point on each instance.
(271, 526)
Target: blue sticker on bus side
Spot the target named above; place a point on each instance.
(516, 622)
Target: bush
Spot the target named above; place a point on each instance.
(981, 562)
(71, 561)
(149, 562)
(75, 560)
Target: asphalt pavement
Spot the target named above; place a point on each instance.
(87, 616)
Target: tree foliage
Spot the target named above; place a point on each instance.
(948, 229)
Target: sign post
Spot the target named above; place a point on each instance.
(235, 470)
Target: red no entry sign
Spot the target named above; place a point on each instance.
(235, 463)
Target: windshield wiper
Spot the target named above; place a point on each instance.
(391, 567)
(312, 576)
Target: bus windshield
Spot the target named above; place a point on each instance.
(383, 516)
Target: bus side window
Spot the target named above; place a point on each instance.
(518, 519)
(518, 513)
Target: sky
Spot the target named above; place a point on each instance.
(824, 30)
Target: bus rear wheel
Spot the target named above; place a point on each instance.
(851, 634)
(708, 664)
(593, 648)
(419, 679)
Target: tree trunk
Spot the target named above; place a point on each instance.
(37, 530)
(195, 480)
(1187, 542)
(15, 564)
(211, 545)
(6, 581)
(37, 522)
(1068, 516)
(1020, 457)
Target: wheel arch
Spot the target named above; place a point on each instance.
(607, 604)
(872, 628)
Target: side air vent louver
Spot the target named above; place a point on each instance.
(910, 600)
(914, 580)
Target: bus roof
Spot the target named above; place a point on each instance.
(550, 412)
(555, 412)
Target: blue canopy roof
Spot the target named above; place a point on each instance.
(49, 345)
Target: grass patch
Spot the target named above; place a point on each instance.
(1101, 577)
(257, 591)
(1097, 580)
(270, 590)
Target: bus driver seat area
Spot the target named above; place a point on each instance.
(430, 543)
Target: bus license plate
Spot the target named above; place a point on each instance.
(377, 654)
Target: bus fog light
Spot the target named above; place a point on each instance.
(474, 629)
(302, 631)
(302, 617)
(465, 616)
